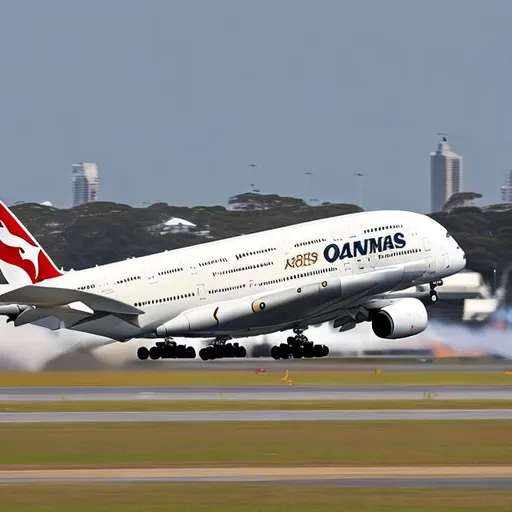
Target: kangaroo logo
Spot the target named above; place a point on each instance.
(19, 252)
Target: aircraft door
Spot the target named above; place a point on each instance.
(360, 265)
(190, 267)
(151, 274)
(105, 285)
(431, 265)
(340, 233)
(446, 257)
(285, 246)
(201, 291)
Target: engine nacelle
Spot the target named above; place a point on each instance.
(11, 309)
(402, 319)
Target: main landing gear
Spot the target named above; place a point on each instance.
(433, 294)
(166, 349)
(298, 346)
(219, 349)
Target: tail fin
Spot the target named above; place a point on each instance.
(22, 259)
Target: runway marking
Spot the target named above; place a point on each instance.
(285, 391)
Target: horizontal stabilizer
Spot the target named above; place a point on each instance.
(49, 297)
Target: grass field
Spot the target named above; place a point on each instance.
(342, 377)
(260, 443)
(250, 405)
(245, 498)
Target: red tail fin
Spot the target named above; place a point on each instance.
(22, 259)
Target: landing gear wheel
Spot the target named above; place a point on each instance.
(210, 353)
(298, 346)
(309, 351)
(181, 351)
(154, 353)
(166, 349)
(142, 353)
(229, 350)
(219, 349)
(167, 353)
(284, 350)
(433, 297)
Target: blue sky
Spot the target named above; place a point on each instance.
(174, 99)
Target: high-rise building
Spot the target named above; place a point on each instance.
(84, 180)
(445, 175)
(506, 190)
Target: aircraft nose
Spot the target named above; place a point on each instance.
(459, 258)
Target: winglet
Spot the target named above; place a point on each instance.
(22, 259)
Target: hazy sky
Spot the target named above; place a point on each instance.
(174, 99)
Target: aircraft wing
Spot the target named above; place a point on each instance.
(64, 303)
(45, 296)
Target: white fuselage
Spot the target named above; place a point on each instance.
(166, 284)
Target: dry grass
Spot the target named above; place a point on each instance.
(245, 498)
(342, 377)
(259, 443)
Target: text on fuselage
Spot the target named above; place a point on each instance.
(356, 248)
(302, 260)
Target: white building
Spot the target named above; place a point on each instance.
(84, 181)
(177, 225)
(506, 190)
(445, 175)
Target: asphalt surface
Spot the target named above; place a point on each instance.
(252, 416)
(468, 477)
(465, 483)
(246, 393)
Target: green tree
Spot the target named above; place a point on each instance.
(460, 199)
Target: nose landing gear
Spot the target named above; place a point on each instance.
(434, 297)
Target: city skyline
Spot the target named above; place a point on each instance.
(446, 175)
(84, 183)
(506, 189)
(176, 99)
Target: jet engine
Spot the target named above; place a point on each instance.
(402, 319)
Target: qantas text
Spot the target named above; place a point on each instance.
(334, 252)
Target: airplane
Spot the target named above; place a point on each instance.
(345, 269)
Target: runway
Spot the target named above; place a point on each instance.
(253, 416)
(468, 477)
(407, 364)
(251, 393)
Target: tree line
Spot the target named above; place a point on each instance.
(103, 232)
